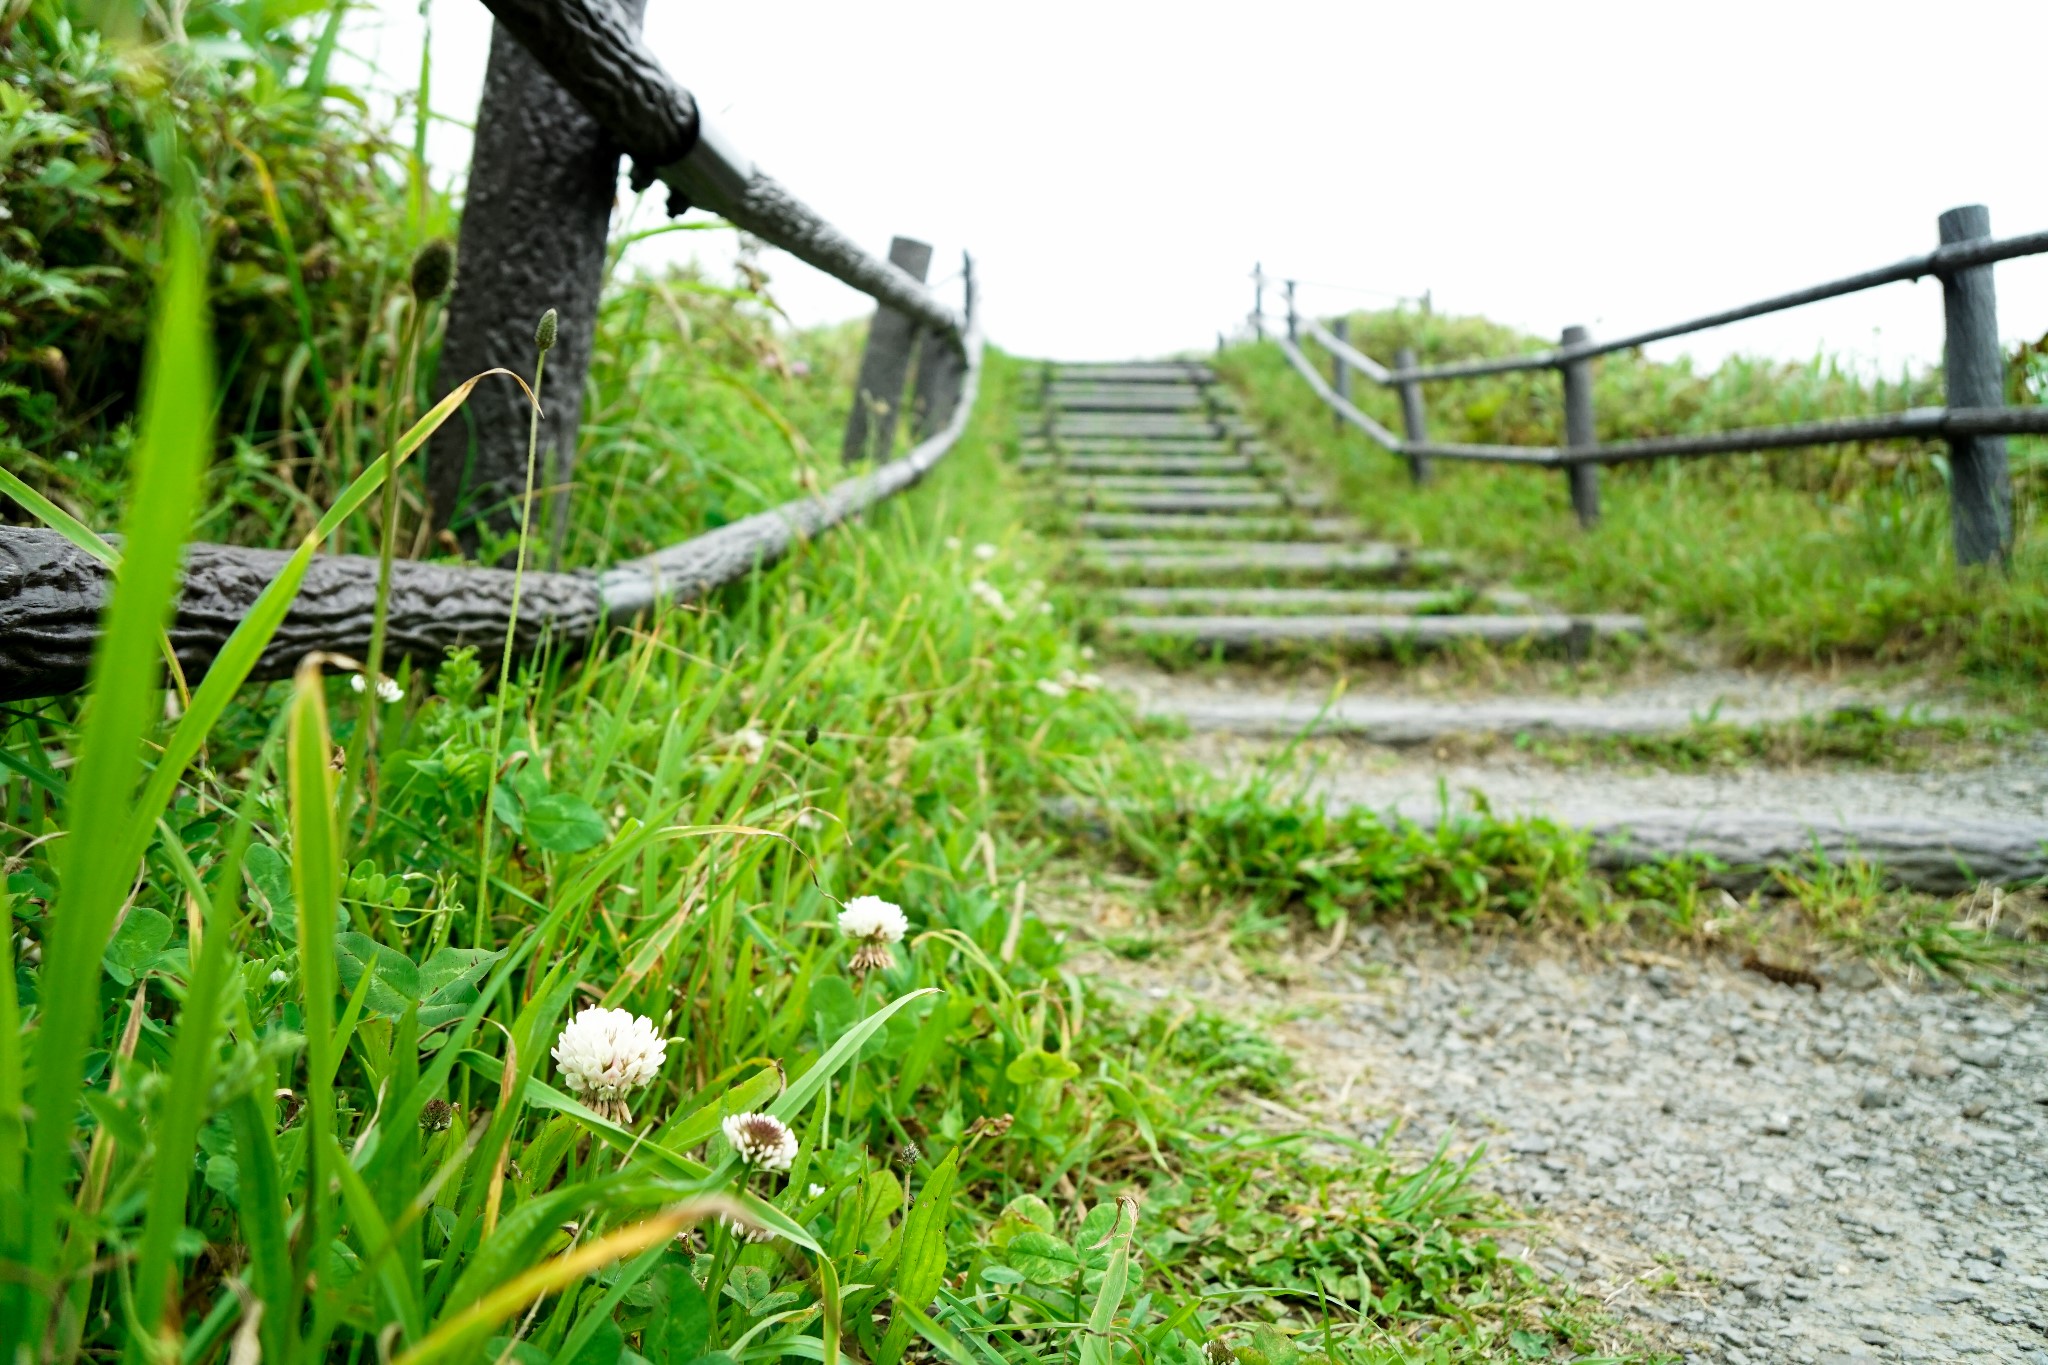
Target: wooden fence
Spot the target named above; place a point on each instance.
(1974, 422)
(569, 89)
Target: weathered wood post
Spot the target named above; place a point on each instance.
(1979, 482)
(941, 367)
(1340, 376)
(1414, 422)
(1258, 299)
(884, 365)
(1583, 479)
(542, 180)
(1293, 323)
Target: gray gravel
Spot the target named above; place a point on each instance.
(1856, 1174)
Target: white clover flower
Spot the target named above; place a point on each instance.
(813, 1191)
(747, 1232)
(749, 743)
(604, 1054)
(984, 552)
(388, 690)
(990, 596)
(874, 925)
(761, 1140)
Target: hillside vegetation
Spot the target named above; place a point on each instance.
(1810, 558)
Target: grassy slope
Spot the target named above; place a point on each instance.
(674, 846)
(1802, 558)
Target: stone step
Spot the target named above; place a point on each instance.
(1188, 466)
(1378, 632)
(1207, 527)
(1095, 426)
(1179, 559)
(1282, 601)
(1191, 503)
(1164, 401)
(1163, 483)
(1406, 721)
(1168, 372)
(1195, 445)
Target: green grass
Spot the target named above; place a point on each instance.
(1804, 558)
(290, 1088)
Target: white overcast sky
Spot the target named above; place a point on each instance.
(1116, 168)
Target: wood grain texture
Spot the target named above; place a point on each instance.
(542, 179)
(51, 595)
(593, 51)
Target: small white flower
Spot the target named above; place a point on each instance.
(1088, 652)
(746, 1232)
(604, 1054)
(761, 1140)
(953, 542)
(813, 1191)
(388, 690)
(984, 552)
(875, 925)
(278, 976)
(1052, 688)
(749, 743)
(990, 596)
(1045, 608)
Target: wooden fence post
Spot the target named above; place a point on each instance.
(1414, 422)
(542, 179)
(884, 365)
(1293, 323)
(1340, 375)
(1258, 299)
(940, 369)
(1979, 482)
(1584, 479)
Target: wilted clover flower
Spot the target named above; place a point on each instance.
(875, 925)
(761, 1140)
(436, 1115)
(605, 1054)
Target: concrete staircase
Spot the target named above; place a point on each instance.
(1196, 533)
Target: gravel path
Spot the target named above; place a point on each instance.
(1749, 1172)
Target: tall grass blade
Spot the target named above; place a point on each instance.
(177, 412)
(316, 879)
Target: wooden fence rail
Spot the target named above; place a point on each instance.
(1974, 423)
(569, 89)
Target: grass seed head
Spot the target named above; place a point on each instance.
(433, 270)
(544, 335)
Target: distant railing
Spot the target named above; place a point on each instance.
(1974, 422)
(568, 89)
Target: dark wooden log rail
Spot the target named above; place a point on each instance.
(52, 593)
(1974, 423)
(576, 90)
